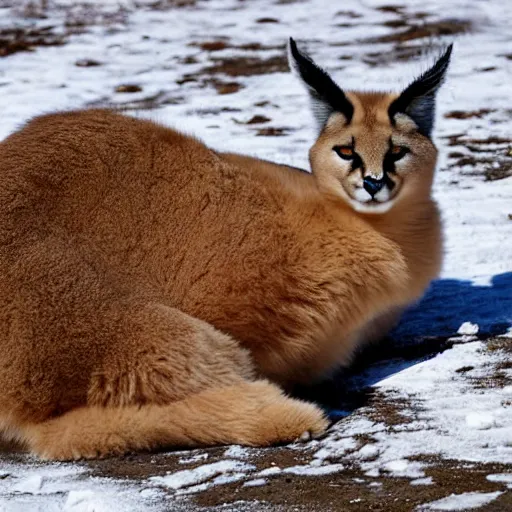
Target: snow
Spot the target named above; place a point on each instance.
(30, 485)
(465, 501)
(258, 482)
(448, 414)
(199, 457)
(311, 470)
(440, 426)
(368, 451)
(269, 471)
(467, 327)
(204, 473)
(501, 478)
(61, 487)
(480, 421)
(423, 481)
(237, 452)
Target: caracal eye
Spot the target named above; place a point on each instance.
(345, 152)
(399, 152)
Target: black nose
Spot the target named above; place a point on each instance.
(372, 186)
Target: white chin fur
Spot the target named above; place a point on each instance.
(372, 207)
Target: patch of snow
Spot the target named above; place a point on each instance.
(269, 471)
(465, 501)
(505, 478)
(193, 459)
(58, 487)
(423, 481)
(467, 328)
(336, 448)
(190, 477)
(30, 485)
(314, 470)
(150, 494)
(442, 401)
(480, 421)
(219, 480)
(258, 482)
(79, 500)
(367, 452)
(237, 452)
(404, 468)
(507, 390)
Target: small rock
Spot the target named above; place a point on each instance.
(227, 87)
(258, 120)
(267, 20)
(128, 88)
(213, 46)
(87, 63)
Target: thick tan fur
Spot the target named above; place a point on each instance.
(155, 293)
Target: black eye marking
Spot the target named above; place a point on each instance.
(398, 152)
(357, 163)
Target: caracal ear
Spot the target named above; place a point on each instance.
(326, 97)
(418, 100)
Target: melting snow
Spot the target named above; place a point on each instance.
(465, 501)
(189, 477)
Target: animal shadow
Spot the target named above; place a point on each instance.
(424, 331)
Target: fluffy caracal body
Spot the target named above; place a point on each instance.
(155, 293)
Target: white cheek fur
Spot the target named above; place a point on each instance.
(382, 195)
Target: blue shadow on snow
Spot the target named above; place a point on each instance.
(423, 332)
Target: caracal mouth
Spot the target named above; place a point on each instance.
(372, 206)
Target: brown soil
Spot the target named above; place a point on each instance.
(465, 114)
(257, 119)
(248, 66)
(350, 490)
(445, 27)
(273, 132)
(490, 158)
(13, 40)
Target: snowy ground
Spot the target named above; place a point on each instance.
(427, 425)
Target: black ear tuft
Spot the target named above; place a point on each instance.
(418, 99)
(325, 95)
